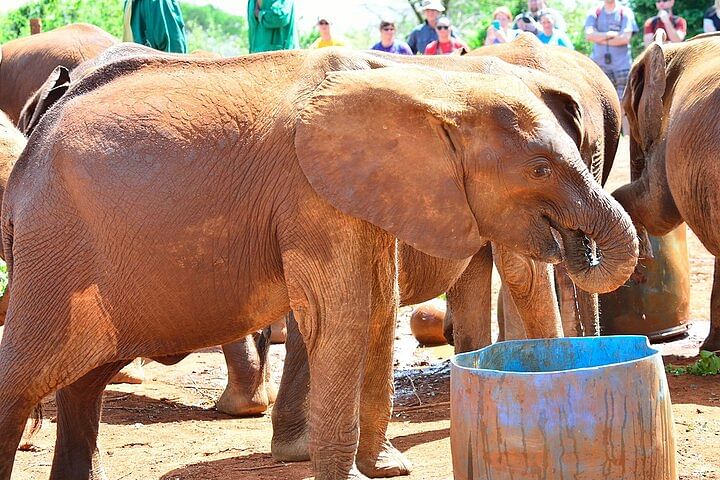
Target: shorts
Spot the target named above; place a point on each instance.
(618, 78)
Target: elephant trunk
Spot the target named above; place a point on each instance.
(610, 227)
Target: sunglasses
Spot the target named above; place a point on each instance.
(442, 27)
(323, 23)
(388, 29)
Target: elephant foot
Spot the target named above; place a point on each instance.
(295, 450)
(236, 403)
(354, 474)
(133, 373)
(388, 463)
(712, 342)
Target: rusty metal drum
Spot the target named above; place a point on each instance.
(659, 304)
(585, 408)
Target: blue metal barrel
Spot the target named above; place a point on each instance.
(590, 408)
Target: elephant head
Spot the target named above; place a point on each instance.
(446, 161)
(646, 103)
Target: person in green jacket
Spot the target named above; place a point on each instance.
(156, 23)
(271, 25)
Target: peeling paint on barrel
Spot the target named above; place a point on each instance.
(592, 408)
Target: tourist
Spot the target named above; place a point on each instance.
(610, 27)
(551, 35)
(445, 44)
(500, 30)
(711, 22)
(388, 42)
(675, 27)
(326, 39)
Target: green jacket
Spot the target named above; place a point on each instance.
(274, 27)
(156, 23)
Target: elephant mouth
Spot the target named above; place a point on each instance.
(575, 244)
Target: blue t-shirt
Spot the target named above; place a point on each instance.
(621, 20)
(399, 47)
(557, 38)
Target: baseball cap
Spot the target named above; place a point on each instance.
(432, 5)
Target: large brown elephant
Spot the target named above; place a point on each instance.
(422, 277)
(467, 283)
(28, 61)
(219, 200)
(673, 110)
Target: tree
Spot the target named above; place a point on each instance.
(208, 28)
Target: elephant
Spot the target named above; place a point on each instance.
(422, 277)
(12, 142)
(198, 215)
(672, 108)
(26, 62)
(248, 391)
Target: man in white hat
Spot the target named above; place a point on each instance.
(425, 33)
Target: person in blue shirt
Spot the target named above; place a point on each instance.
(388, 42)
(551, 35)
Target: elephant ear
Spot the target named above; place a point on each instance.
(50, 92)
(567, 110)
(643, 99)
(381, 145)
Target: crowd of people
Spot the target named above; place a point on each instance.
(271, 26)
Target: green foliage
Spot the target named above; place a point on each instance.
(208, 28)
(56, 13)
(307, 38)
(691, 10)
(3, 277)
(707, 364)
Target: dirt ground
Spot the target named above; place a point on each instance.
(167, 428)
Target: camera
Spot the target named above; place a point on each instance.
(608, 59)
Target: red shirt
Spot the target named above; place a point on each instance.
(445, 48)
(652, 24)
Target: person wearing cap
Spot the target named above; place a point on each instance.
(425, 33)
(445, 44)
(326, 39)
(155, 23)
(388, 42)
(271, 25)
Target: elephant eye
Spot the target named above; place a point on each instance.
(540, 170)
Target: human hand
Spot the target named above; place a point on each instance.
(611, 34)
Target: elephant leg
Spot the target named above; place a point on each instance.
(469, 304)
(529, 304)
(712, 342)
(17, 400)
(76, 452)
(247, 391)
(289, 415)
(376, 456)
(132, 373)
